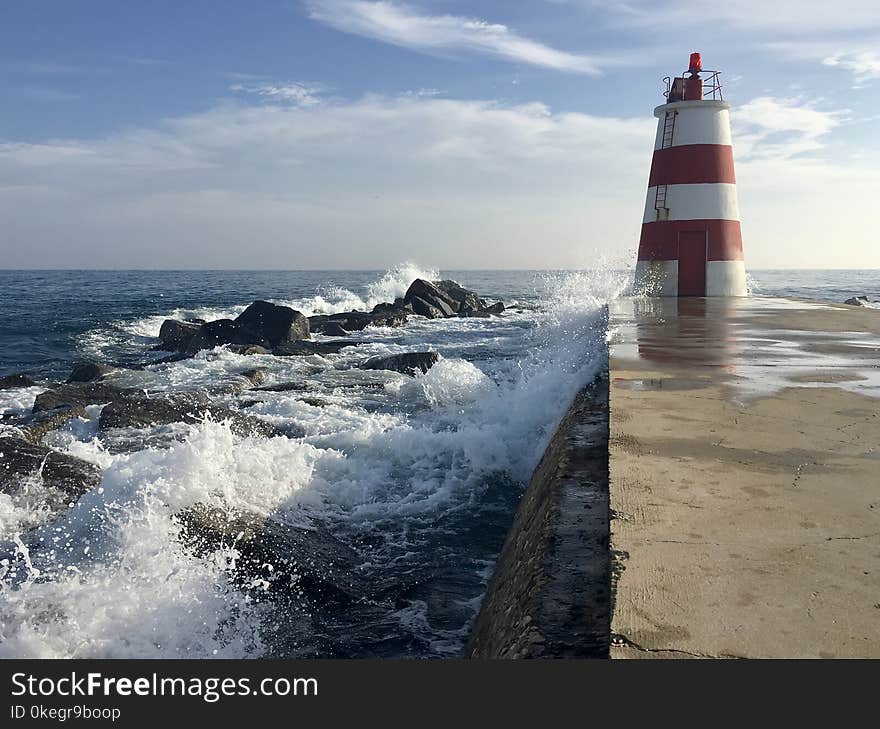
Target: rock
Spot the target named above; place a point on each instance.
(34, 426)
(276, 324)
(304, 349)
(351, 321)
(428, 293)
(175, 335)
(332, 329)
(466, 299)
(70, 477)
(20, 379)
(423, 308)
(140, 411)
(220, 332)
(389, 315)
(474, 314)
(408, 363)
(90, 372)
(283, 387)
(318, 566)
(248, 349)
(485, 312)
(857, 301)
(77, 394)
(257, 375)
(339, 325)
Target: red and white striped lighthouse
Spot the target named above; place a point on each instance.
(691, 243)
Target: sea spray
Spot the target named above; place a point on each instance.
(419, 476)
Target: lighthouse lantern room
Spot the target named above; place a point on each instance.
(691, 242)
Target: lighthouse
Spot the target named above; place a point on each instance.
(691, 242)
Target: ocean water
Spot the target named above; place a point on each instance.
(415, 480)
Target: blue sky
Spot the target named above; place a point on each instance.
(355, 134)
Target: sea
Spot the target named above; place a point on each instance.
(416, 479)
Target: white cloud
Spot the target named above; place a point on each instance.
(782, 17)
(357, 184)
(773, 128)
(291, 93)
(864, 65)
(404, 26)
(450, 183)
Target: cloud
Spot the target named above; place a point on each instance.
(864, 65)
(451, 183)
(362, 184)
(782, 17)
(298, 94)
(404, 26)
(774, 128)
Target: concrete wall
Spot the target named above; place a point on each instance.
(550, 592)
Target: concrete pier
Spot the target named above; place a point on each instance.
(735, 510)
(744, 460)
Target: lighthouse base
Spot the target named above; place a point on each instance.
(665, 278)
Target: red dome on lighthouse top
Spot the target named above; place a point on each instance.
(691, 241)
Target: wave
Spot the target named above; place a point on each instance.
(392, 460)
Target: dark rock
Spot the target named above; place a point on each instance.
(857, 301)
(175, 335)
(423, 308)
(302, 348)
(17, 380)
(34, 426)
(77, 394)
(465, 299)
(257, 375)
(248, 349)
(315, 402)
(350, 321)
(389, 315)
(331, 329)
(428, 293)
(408, 363)
(319, 567)
(485, 312)
(382, 315)
(276, 324)
(220, 332)
(140, 411)
(283, 387)
(90, 372)
(481, 314)
(20, 459)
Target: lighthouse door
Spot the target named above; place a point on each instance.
(692, 246)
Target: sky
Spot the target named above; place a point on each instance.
(356, 134)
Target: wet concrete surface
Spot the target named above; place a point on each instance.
(744, 478)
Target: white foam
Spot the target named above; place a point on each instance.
(414, 447)
(18, 401)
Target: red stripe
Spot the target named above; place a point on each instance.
(691, 164)
(659, 240)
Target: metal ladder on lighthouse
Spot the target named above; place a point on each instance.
(661, 210)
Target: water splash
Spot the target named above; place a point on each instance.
(396, 465)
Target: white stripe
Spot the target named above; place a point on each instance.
(660, 278)
(704, 201)
(695, 123)
(726, 278)
(656, 278)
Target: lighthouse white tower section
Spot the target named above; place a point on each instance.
(691, 241)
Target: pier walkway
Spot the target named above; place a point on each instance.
(744, 478)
